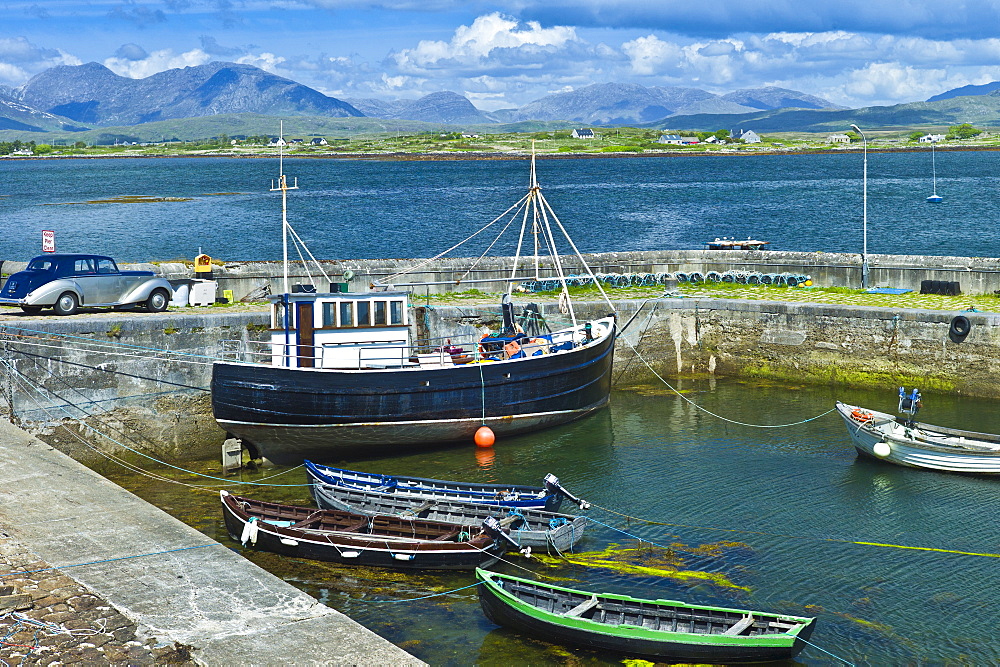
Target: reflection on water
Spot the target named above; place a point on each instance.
(728, 515)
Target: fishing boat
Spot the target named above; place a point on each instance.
(657, 629)
(527, 527)
(935, 198)
(548, 497)
(910, 443)
(341, 375)
(357, 539)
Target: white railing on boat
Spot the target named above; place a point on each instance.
(432, 353)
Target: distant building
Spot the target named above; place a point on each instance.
(838, 139)
(750, 137)
(295, 141)
(931, 138)
(711, 139)
(318, 141)
(277, 141)
(469, 135)
(23, 151)
(584, 134)
(670, 139)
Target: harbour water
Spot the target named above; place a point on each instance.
(354, 209)
(899, 566)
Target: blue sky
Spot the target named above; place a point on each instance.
(851, 52)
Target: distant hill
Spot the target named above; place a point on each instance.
(772, 97)
(619, 104)
(94, 95)
(17, 116)
(966, 91)
(441, 107)
(982, 110)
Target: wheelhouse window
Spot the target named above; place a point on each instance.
(364, 314)
(346, 314)
(329, 314)
(278, 316)
(395, 312)
(380, 313)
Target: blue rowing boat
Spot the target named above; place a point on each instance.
(548, 497)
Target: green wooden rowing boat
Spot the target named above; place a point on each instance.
(660, 629)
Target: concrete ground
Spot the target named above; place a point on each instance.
(137, 585)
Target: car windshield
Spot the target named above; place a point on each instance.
(41, 264)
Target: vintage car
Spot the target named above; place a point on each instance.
(65, 282)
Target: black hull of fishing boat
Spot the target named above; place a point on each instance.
(288, 414)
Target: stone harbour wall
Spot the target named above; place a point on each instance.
(142, 396)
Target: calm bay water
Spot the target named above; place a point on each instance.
(775, 512)
(353, 209)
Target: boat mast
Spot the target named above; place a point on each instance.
(933, 169)
(284, 188)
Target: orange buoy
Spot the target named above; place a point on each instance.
(484, 437)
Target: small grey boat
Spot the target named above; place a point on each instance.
(533, 528)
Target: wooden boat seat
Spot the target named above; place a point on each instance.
(584, 606)
(739, 626)
(447, 537)
(354, 527)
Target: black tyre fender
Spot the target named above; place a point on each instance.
(66, 304)
(960, 326)
(158, 301)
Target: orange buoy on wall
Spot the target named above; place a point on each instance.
(484, 437)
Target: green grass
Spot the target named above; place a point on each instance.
(821, 295)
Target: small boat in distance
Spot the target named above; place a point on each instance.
(528, 527)
(662, 630)
(913, 444)
(934, 198)
(356, 539)
(548, 497)
(726, 243)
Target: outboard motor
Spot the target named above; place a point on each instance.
(492, 527)
(507, 309)
(552, 485)
(908, 405)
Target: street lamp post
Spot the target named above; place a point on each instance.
(864, 247)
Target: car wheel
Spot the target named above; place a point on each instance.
(157, 301)
(31, 310)
(66, 304)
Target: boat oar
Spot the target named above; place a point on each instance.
(552, 485)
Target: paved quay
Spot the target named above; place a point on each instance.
(133, 585)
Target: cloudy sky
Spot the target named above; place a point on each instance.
(851, 52)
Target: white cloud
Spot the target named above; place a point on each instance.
(157, 61)
(482, 41)
(20, 59)
(266, 61)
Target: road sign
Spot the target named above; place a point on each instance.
(48, 240)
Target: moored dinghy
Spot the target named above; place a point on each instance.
(548, 497)
(356, 539)
(527, 527)
(658, 629)
(914, 444)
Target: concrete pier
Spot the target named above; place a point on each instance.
(187, 598)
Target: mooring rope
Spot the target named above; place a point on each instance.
(846, 662)
(709, 412)
(107, 437)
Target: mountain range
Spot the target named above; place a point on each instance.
(81, 97)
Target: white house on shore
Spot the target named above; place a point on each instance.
(670, 139)
(931, 138)
(838, 139)
(750, 137)
(584, 134)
